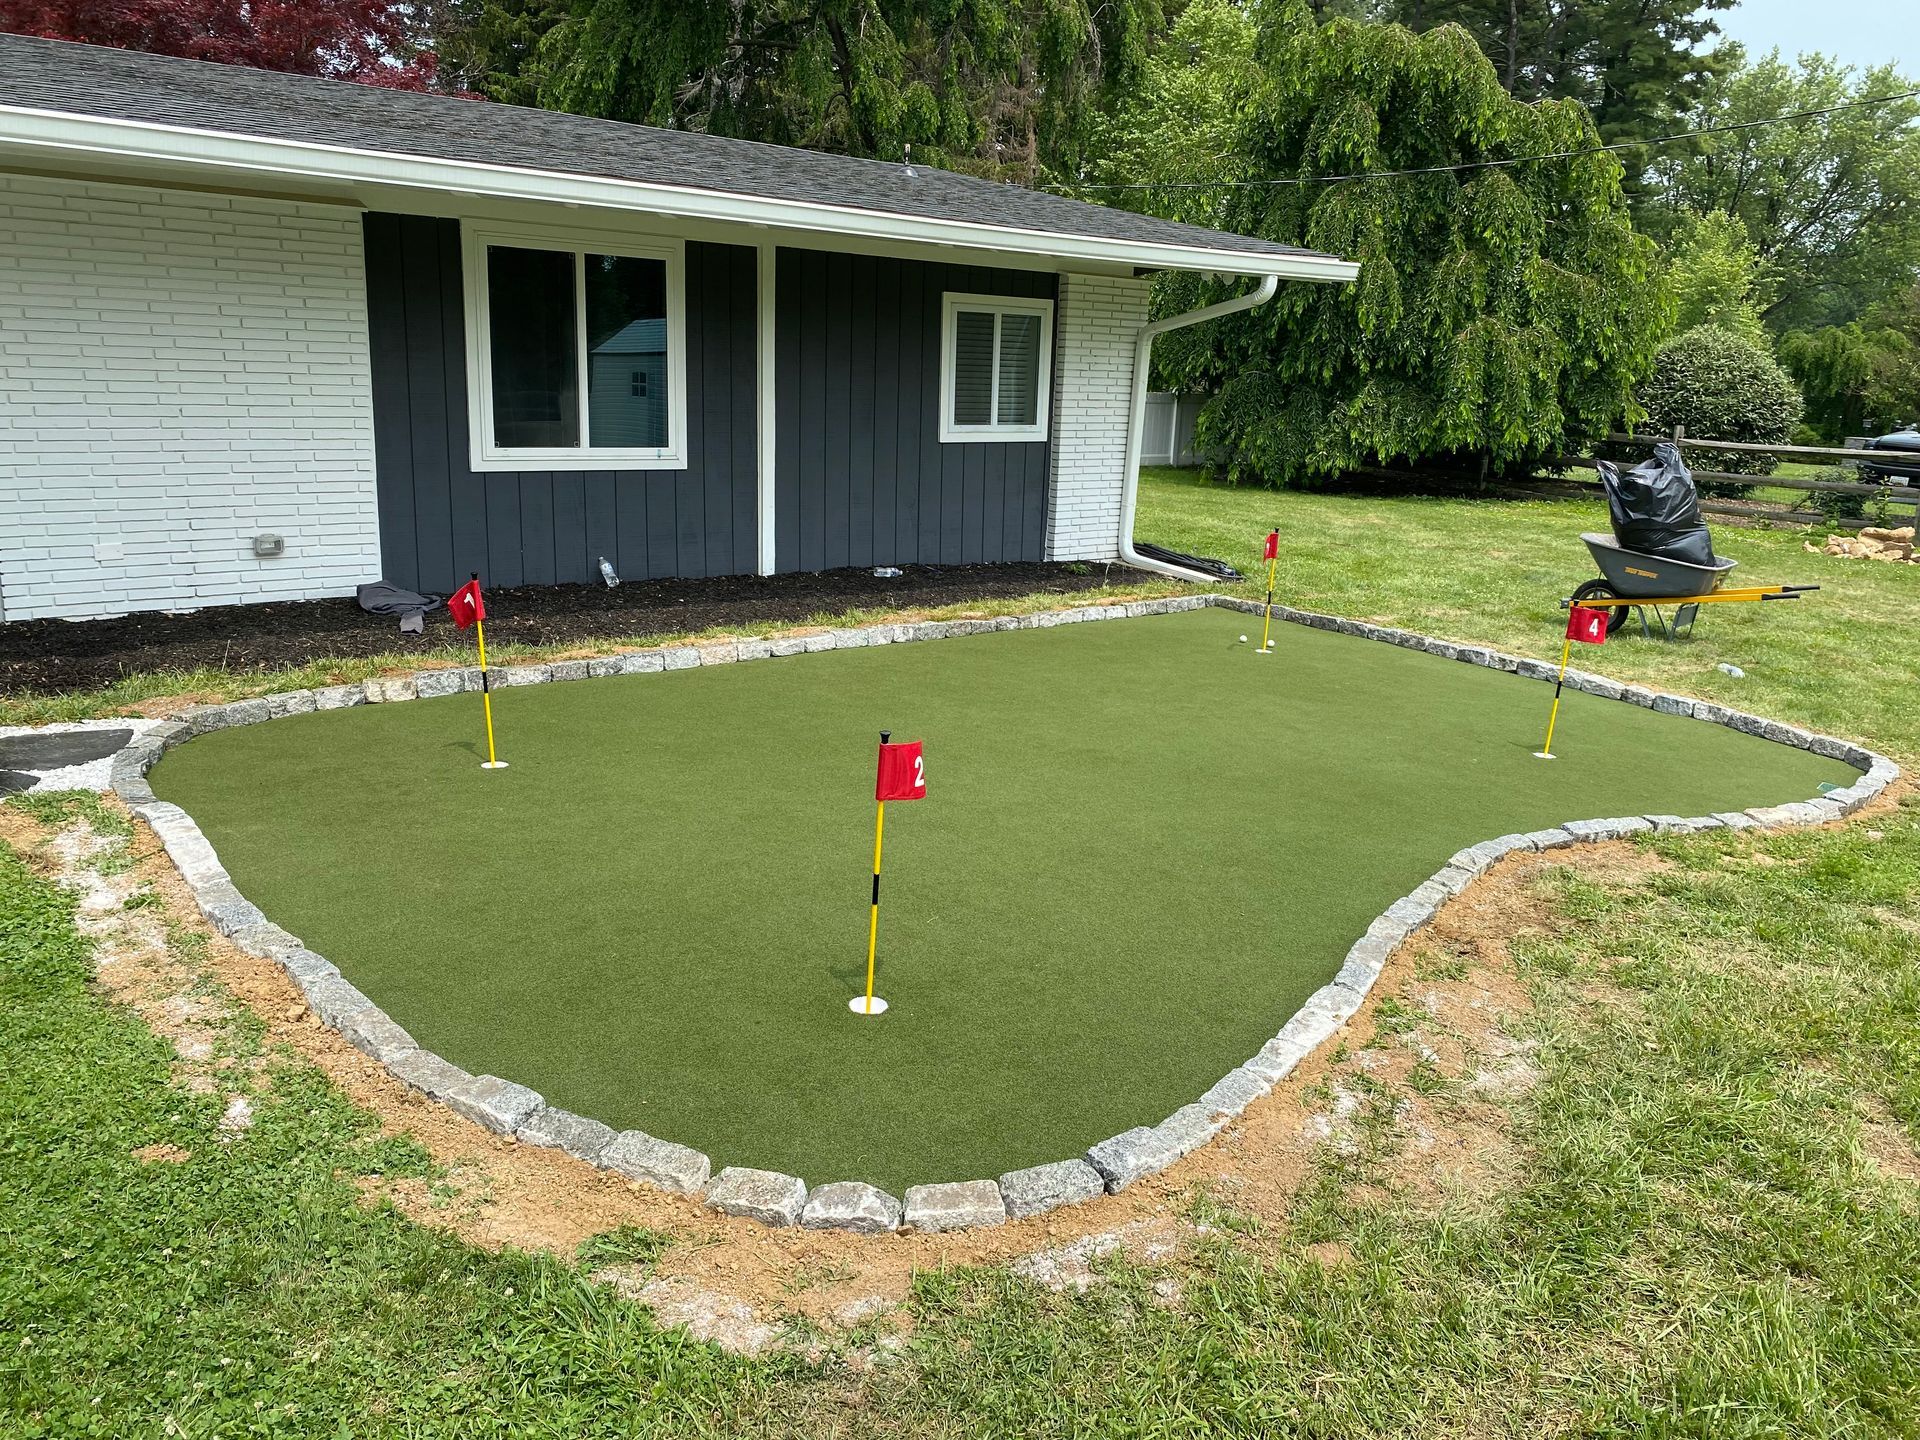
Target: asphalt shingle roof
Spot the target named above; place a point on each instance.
(120, 84)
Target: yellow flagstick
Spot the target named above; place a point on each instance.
(873, 913)
(1545, 752)
(486, 691)
(872, 1006)
(1272, 565)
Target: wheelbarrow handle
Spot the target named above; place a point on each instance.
(1797, 589)
(1787, 594)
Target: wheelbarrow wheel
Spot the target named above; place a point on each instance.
(1602, 590)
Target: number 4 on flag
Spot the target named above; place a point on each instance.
(1587, 624)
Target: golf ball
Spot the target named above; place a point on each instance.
(1243, 639)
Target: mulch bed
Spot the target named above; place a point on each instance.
(50, 656)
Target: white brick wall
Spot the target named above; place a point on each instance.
(1095, 325)
(179, 373)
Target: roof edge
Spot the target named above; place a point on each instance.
(72, 133)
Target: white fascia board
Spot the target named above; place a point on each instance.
(58, 131)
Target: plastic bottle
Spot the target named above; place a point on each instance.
(606, 573)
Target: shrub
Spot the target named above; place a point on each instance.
(1721, 386)
(1835, 505)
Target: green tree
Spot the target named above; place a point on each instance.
(1716, 278)
(1863, 377)
(998, 87)
(1831, 202)
(1497, 309)
(1635, 64)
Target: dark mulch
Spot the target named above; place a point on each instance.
(56, 655)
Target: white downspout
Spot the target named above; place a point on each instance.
(1142, 353)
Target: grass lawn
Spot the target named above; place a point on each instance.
(1493, 571)
(1144, 847)
(1712, 1230)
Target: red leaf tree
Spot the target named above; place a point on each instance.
(369, 41)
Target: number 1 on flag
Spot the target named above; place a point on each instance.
(468, 607)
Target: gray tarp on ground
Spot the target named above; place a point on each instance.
(382, 598)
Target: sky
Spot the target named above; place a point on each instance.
(1857, 32)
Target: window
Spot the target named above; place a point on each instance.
(577, 353)
(995, 364)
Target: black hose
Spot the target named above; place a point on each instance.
(1218, 569)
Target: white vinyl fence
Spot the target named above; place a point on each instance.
(1168, 439)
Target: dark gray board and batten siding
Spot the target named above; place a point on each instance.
(861, 477)
(440, 520)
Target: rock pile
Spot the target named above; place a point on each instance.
(1871, 544)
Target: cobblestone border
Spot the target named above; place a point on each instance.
(776, 1199)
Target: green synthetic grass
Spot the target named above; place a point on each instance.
(1143, 847)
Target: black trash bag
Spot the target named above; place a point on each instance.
(1656, 510)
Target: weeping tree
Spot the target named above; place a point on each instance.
(1498, 309)
(1003, 88)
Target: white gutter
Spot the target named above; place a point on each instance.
(1142, 353)
(58, 132)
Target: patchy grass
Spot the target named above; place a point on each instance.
(109, 833)
(58, 807)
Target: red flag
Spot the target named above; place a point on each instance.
(1587, 624)
(903, 774)
(466, 606)
(1272, 551)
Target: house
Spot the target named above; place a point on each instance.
(265, 337)
(627, 382)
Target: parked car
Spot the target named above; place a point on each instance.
(1905, 443)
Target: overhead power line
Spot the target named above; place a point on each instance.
(1495, 164)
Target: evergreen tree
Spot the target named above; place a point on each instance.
(1635, 64)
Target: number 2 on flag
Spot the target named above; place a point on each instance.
(903, 773)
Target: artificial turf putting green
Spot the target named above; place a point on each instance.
(1143, 847)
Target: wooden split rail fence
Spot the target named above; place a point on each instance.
(1892, 493)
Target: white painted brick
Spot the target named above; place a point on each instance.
(179, 373)
(1096, 322)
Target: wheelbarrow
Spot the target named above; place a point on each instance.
(1630, 580)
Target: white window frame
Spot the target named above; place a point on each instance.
(485, 454)
(954, 302)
